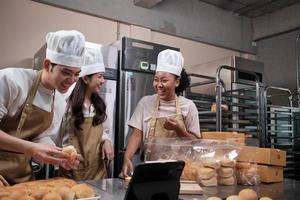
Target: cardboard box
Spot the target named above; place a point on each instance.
(265, 156)
(233, 137)
(270, 174)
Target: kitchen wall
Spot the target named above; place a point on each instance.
(24, 24)
(190, 19)
(278, 54)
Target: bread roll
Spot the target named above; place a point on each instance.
(208, 182)
(4, 194)
(226, 181)
(248, 176)
(40, 192)
(189, 172)
(243, 165)
(212, 163)
(206, 173)
(27, 197)
(233, 197)
(6, 198)
(83, 191)
(248, 194)
(65, 192)
(265, 198)
(18, 193)
(227, 163)
(71, 151)
(225, 172)
(213, 198)
(52, 196)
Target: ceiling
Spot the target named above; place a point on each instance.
(251, 8)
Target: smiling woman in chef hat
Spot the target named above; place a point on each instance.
(164, 114)
(82, 124)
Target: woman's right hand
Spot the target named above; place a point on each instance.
(127, 169)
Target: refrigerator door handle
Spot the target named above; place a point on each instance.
(128, 96)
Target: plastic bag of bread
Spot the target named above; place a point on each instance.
(247, 173)
(202, 157)
(173, 149)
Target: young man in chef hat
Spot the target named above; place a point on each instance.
(31, 103)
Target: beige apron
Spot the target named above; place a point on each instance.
(26, 124)
(157, 130)
(88, 143)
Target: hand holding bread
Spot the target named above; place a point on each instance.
(73, 157)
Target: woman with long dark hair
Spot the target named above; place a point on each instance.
(82, 124)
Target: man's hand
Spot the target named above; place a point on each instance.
(43, 153)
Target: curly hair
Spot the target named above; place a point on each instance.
(185, 81)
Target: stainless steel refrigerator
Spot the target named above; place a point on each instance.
(137, 65)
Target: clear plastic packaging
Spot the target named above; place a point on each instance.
(208, 162)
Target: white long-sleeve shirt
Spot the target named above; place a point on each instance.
(15, 85)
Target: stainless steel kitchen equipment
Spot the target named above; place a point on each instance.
(282, 127)
(137, 64)
(239, 87)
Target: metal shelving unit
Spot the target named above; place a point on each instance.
(244, 102)
(282, 128)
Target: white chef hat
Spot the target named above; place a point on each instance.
(65, 48)
(93, 60)
(170, 61)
